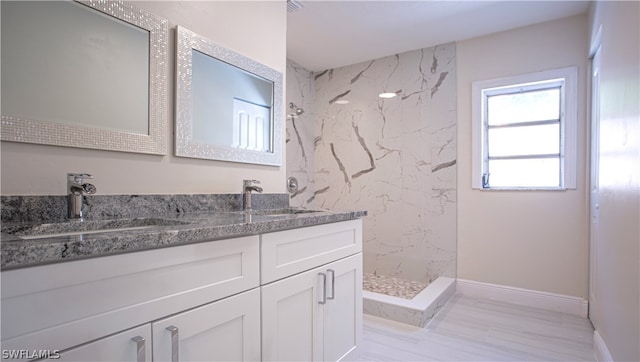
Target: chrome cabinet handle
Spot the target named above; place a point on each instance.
(140, 356)
(174, 343)
(324, 288)
(333, 284)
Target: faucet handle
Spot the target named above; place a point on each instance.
(89, 188)
(78, 177)
(246, 183)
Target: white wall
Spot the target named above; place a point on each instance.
(533, 240)
(256, 29)
(616, 311)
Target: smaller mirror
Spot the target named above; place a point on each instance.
(228, 106)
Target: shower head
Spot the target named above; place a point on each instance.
(298, 111)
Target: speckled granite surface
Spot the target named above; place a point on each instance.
(54, 208)
(157, 221)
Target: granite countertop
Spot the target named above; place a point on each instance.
(146, 233)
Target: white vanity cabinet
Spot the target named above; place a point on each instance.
(312, 293)
(60, 307)
(289, 295)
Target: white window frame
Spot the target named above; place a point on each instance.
(568, 78)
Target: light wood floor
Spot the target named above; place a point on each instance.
(468, 329)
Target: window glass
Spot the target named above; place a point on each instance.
(541, 172)
(537, 105)
(529, 140)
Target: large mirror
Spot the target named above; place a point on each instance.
(228, 106)
(88, 74)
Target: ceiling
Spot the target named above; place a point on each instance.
(330, 34)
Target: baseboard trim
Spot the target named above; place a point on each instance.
(527, 297)
(600, 350)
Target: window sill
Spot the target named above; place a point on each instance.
(522, 189)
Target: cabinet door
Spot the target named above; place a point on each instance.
(227, 330)
(315, 315)
(342, 317)
(131, 345)
(291, 318)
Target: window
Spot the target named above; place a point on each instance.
(524, 131)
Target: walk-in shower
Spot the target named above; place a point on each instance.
(395, 158)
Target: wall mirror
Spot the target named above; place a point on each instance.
(88, 74)
(228, 106)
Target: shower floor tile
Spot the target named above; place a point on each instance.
(394, 287)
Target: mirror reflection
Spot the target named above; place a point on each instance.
(77, 65)
(228, 106)
(224, 92)
(90, 74)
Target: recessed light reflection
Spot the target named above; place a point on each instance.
(387, 95)
(341, 101)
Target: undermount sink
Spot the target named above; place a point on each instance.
(81, 227)
(286, 212)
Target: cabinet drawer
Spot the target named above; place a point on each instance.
(289, 252)
(62, 305)
(123, 347)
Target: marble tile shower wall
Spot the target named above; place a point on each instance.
(394, 157)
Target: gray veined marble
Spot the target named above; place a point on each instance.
(394, 157)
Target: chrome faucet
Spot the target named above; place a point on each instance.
(247, 187)
(76, 189)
